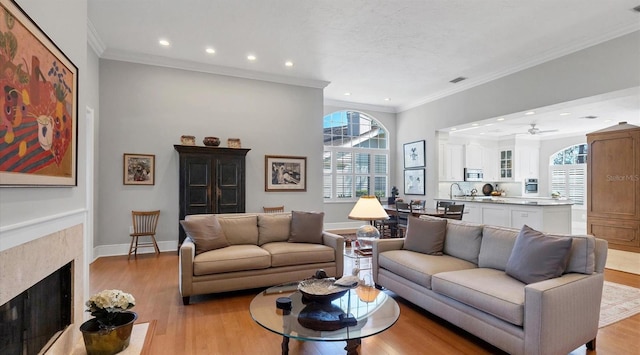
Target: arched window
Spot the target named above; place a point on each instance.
(568, 170)
(356, 156)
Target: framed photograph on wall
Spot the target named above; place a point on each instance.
(414, 182)
(414, 155)
(39, 122)
(139, 169)
(285, 173)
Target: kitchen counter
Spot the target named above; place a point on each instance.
(544, 214)
(535, 201)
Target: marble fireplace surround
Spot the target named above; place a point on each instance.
(24, 265)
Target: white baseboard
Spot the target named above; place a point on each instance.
(123, 249)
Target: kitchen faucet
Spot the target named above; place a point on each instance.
(451, 189)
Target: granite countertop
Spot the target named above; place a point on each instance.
(528, 201)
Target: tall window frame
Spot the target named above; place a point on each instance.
(568, 173)
(355, 157)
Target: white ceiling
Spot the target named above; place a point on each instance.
(407, 51)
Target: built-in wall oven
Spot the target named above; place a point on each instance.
(530, 186)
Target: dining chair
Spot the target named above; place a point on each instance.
(454, 212)
(388, 227)
(403, 211)
(144, 225)
(274, 209)
(442, 205)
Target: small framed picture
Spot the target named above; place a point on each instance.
(139, 169)
(285, 173)
(414, 155)
(414, 182)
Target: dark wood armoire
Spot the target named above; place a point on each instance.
(613, 186)
(212, 180)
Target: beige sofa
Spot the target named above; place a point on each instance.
(468, 286)
(259, 254)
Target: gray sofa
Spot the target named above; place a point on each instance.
(467, 286)
(260, 252)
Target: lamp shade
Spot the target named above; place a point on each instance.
(368, 208)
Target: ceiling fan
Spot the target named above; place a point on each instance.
(535, 130)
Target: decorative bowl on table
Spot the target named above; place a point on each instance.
(321, 290)
(211, 141)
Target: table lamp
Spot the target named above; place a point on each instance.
(368, 208)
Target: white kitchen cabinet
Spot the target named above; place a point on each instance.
(451, 162)
(473, 157)
(527, 163)
(495, 214)
(472, 213)
(531, 216)
(490, 164)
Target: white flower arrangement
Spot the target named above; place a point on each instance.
(106, 305)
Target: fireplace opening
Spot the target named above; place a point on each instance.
(31, 319)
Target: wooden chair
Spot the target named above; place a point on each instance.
(144, 225)
(274, 209)
(403, 211)
(454, 212)
(442, 205)
(388, 227)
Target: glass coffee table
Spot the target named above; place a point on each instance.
(359, 313)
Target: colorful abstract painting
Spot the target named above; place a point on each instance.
(38, 97)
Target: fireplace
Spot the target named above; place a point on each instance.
(57, 245)
(39, 314)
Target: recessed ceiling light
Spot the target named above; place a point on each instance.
(475, 124)
(488, 124)
(565, 114)
(482, 133)
(607, 121)
(164, 42)
(251, 57)
(347, 94)
(210, 50)
(500, 119)
(530, 113)
(454, 129)
(288, 63)
(387, 99)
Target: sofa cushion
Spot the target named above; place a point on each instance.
(463, 240)
(425, 235)
(273, 228)
(231, 258)
(241, 229)
(286, 253)
(537, 256)
(489, 290)
(582, 258)
(419, 267)
(206, 233)
(496, 246)
(306, 227)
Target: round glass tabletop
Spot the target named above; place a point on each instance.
(363, 311)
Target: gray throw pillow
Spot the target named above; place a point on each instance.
(206, 232)
(306, 227)
(425, 235)
(537, 256)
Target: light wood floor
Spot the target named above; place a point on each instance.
(221, 324)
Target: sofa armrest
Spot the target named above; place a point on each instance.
(563, 310)
(337, 243)
(380, 246)
(185, 265)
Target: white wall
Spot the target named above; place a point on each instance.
(600, 69)
(68, 29)
(145, 109)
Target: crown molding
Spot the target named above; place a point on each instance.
(359, 106)
(211, 69)
(95, 42)
(537, 60)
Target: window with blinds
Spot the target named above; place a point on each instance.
(568, 171)
(356, 157)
